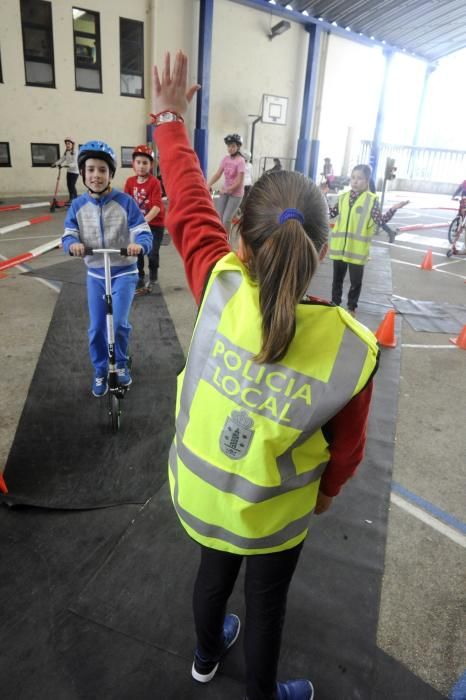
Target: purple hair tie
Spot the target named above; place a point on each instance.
(291, 214)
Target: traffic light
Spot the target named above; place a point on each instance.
(390, 169)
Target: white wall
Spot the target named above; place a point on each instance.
(246, 65)
(45, 115)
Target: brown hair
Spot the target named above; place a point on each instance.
(284, 256)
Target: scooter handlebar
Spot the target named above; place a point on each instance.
(94, 251)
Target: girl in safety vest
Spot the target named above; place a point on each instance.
(358, 215)
(272, 405)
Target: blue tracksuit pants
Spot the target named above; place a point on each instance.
(123, 289)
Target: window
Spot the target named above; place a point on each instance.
(131, 58)
(5, 160)
(36, 23)
(44, 154)
(127, 156)
(87, 63)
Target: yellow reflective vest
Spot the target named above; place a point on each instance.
(248, 453)
(350, 239)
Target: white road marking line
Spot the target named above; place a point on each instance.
(429, 347)
(420, 514)
(23, 268)
(435, 269)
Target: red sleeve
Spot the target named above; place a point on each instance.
(347, 440)
(156, 201)
(128, 189)
(192, 221)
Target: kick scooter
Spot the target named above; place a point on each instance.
(115, 392)
(55, 204)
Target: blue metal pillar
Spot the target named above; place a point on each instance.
(376, 140)
(430, 67)
(307, 150)
(204, 59)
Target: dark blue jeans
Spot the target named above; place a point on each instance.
(267, 580)
(123, 288)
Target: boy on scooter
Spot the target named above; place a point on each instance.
(106, 218)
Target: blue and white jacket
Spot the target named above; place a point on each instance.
(112, 221)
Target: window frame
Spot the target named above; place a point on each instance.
(123, 162)
(44, 165)
(49, 31)
(1, 74)
(6, 165)
(142, 76)
(86, 35)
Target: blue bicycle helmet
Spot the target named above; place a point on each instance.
(97, 149)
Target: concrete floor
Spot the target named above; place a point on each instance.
(422, 620)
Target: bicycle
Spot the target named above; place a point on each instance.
(458, 227)
(115, 392)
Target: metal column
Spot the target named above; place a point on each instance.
(376, 141)
(307, 151)
(204, 59)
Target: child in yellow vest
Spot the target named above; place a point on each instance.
(358, 215)
(273, 403)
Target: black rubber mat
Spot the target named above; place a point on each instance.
(430, 316)
(64, 454)
(144, 589)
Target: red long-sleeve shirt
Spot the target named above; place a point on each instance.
(200, 239)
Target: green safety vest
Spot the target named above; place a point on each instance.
(350, 239)
(248, 454)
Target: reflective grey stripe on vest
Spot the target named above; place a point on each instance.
(343, 253)
(293, 529)
(217, 298)
(346, 372)
(326, 401)
(368, 202)
(337, 235)
(228, 482)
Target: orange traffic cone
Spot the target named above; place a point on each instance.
(460, 340)
(427, 262)
(385, 333)
(3, 487)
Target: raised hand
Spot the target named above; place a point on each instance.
(170, 90)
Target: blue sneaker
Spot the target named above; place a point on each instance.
(295, 690)
(204, 670)
(123, 374)
(99, 385)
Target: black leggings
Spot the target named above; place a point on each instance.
(71, 179)
(339, 273)
(154, 255)
(267, 580)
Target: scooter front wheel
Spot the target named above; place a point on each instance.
(114, 411)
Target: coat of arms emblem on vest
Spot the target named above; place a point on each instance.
(236, 435)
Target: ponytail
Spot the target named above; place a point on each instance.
(285, 255)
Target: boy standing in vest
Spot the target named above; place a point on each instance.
(106, 218)
(145, 189)
(273, 402)
(358, 215)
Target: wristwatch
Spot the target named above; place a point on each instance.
(165, 117)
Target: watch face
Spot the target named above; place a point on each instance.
(168, 117)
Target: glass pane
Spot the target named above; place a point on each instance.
(131, 85)
(44, 153)
(86, 51)
(131, 47)
(40, 73)
(36, 12)
(87, 79)
(4, 156)
(37, 44)
(127, 156)
(84, 21)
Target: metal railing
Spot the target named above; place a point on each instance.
(419, 163)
